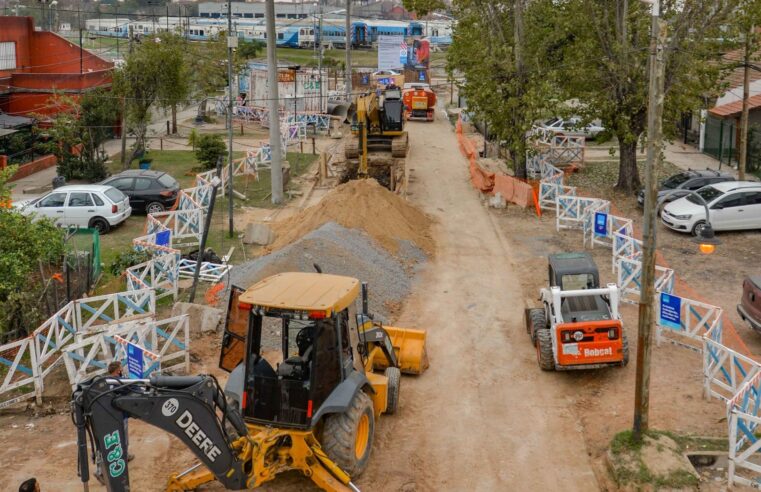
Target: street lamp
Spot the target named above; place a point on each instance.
(704, 237)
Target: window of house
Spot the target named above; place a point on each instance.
(7, 55)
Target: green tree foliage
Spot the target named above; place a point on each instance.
(505, 87)
(77, 132)
(156, 71)
(23, 245)
(209, 147)
(600, 58)
(248, 49)
(423, 7)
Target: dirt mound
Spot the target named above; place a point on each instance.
(361, 204)
(343, 251)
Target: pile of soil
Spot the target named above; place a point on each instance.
(341, 251)
(362, 204)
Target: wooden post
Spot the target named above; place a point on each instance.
(323, 168)
(314, 152)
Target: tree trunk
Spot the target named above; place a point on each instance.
(628, 174)
(174, 119)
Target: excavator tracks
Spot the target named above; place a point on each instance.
(400, 145)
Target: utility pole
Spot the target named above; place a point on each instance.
(347, 72)
(276, 169)
(647, 289)
(124, 107)
(745, 110)
(232, 42)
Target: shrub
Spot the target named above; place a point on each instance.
(209, 148)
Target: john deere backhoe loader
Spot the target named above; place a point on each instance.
(310, 406)
(378, 129)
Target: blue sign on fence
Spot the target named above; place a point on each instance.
(162, 238)
(601, 224)
(670, 313)
(135, 361)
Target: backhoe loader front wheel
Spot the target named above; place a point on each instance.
(544, 350)
(394, 376)
(347, 438)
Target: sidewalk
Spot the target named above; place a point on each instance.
(689, 157)
(35, 185)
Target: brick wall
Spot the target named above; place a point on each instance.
(35, 166)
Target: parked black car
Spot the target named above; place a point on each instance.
(148, 191)
(690, 180)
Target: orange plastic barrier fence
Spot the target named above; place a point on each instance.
(512, 189)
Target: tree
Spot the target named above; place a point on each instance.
(175, 81)
(77, 131)
(155, 72)
(600, 58)
(423, 7)
(748, 21)
(24, 243)
(208, 66)
(210, 147)
(248, 49)
(504, 84)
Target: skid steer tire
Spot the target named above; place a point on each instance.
(537, 321)
(625, 348)
(544, 349)
(347, 437)
(394, 376)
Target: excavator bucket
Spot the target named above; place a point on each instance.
(409, 347)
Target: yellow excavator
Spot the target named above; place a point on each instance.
(310, 405)
(378, 126)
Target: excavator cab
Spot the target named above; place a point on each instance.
(322, 370)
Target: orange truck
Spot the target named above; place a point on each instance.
(419, 101)
(579, 324)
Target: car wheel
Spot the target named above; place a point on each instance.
(154, 208)
(99, 224)
(698, 227)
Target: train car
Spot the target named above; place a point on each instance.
(365, 32)
(112, 28)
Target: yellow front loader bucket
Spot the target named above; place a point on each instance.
(409, 347)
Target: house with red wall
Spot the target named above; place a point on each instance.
(34, 65)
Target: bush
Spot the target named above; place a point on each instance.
(127, 259)
(209, 148)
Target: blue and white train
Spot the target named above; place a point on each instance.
(302, 33)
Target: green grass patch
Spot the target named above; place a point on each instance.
(628, 467)
(603, 175)
(183, 166)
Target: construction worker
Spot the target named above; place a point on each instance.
(115, 370)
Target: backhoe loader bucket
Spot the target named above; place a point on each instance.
(409, 346)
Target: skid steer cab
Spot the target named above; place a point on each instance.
(304, 360)
(579, 325)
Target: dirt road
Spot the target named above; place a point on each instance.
(483, 417)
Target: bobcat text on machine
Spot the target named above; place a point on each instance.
(310, 406)
(579, 325)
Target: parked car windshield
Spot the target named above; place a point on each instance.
(115, 195)
(675, 180)
(551, 121)
(167, 181)
(707, 193)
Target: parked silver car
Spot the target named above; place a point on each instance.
(96, 206)
(572, 127)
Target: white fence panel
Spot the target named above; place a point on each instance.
(744, 417)
(725, 370)
(570, 210)
(20, 372)
(628, 278)
(696, 320)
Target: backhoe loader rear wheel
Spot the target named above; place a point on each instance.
(347, 437)
(537, 321)
(394, 376)
(544, 349)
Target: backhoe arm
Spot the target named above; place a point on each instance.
(192, 408)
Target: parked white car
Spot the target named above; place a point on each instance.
(572, 127)
(733, 205)
(97, 206)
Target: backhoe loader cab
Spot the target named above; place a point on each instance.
(579, 325)
(321, 377)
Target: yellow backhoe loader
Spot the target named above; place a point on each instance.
(310, 404)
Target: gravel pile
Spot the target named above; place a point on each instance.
(343, 251)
